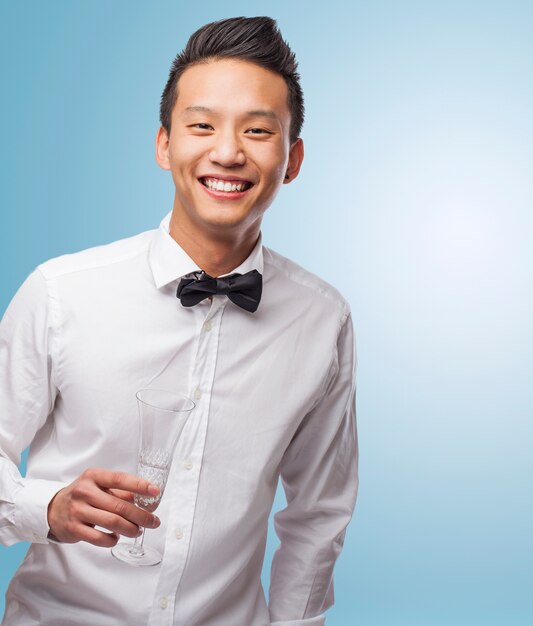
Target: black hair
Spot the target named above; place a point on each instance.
(254, 39)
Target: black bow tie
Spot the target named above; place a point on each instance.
(242, 289)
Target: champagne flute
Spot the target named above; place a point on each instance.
(163, 415)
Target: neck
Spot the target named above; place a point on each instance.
(214, 253)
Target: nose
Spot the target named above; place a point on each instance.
(227, 149)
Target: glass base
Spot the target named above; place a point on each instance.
(148, 556)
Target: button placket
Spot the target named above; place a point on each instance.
(187, 474)
(205, 340)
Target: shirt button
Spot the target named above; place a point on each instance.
(187, 464)
(178, 533)
(163, 603)
(208, 326)
(197, 394)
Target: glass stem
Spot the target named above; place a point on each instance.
(137, 547)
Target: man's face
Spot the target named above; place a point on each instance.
(229, 148)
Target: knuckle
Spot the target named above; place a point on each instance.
(121, 508)
(89, 473)
(73, 511)
(106, 540)
(108, 520)
(133, 531)
(116, 478)
(125, 495)
(112, 522)
(95, 541)
(127, 529)
(149, 521)
(70, 529)
(80, 490)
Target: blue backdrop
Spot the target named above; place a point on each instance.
(415, 199)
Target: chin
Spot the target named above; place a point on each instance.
(224, 225)
(226, 218)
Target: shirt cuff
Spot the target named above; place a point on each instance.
(319, 620)
(31, 516)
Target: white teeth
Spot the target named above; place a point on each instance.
(220, 185)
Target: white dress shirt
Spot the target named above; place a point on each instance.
(274, 393)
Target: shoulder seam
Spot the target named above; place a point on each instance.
(96, 264)
(340, 302)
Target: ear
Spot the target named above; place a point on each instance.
(296, 157)
(162, 148)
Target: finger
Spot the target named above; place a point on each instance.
(127, 510)
(96, 537)
(110, 479)
(114, 523)
(123, 495)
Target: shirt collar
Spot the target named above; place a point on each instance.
(169, 261)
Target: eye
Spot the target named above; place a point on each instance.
(258, 131)
(202, 126)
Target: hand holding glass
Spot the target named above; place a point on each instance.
(163, 415)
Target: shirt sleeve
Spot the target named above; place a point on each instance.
(320, 478)
(27, 396)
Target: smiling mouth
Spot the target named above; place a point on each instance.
(228, 186)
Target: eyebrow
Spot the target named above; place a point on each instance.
(255, 113)
(198, 109)
(262, 113)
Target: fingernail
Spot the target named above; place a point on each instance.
(157, 521)
(153, 489)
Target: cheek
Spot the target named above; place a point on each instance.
(278, 172)
(180, 159)
(184, 153)
(273, 162)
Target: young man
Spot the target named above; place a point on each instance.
(267, 356)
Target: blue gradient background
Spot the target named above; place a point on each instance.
(415, 199)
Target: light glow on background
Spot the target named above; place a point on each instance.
(415, 199)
